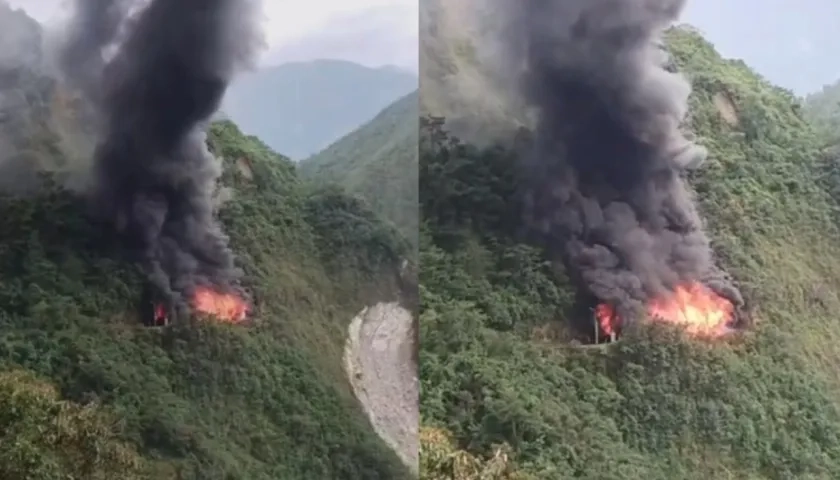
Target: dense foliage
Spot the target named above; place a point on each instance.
(823, 110)
(378, 163)
(498, 371)
(89, 391)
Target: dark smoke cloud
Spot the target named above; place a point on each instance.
(154, 175)
(607, 188)
(95, 26)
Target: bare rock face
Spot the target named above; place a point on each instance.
(380, 361)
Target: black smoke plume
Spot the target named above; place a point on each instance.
(154, 176)
(606, 171)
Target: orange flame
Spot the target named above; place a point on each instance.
(224, 306)
(608, 320)
(694, 307)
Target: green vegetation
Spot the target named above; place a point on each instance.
(498, 370)
(90, 393)
(823, 110)
(45, 437)
(442, 460)
(378, 163)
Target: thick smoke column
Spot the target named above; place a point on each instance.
(606, 184)
(154, 176)
(96, 25)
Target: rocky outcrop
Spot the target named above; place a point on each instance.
(380, 360)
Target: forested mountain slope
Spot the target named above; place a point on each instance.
(521, 399)
(378, 162)
(208, 400)
(88, 390)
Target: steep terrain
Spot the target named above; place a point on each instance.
(506, 391)
(325, 99)
(88, 391)
(381, 360)
(378, 162)
(211, 401)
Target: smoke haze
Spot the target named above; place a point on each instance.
(154, 176)
(605, 175)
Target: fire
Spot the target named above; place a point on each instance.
(161, 317)
(225, 306)
(608, 321)
(694, 307)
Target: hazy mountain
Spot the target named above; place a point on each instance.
(322, 100)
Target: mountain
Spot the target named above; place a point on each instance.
(325, 99)
(377, 162)
(199, 400)
(89, 389)
(530, 400)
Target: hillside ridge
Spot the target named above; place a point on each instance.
(378, 162)
(530, 403)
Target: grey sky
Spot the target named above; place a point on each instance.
(792, 43)
(370, 32)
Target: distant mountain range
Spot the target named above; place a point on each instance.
(321, 101)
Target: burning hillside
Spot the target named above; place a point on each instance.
(206, 301)
(611, 202)
(71, 287)
(694, 307)
(606, 186)
(154, 177)
(226, 307)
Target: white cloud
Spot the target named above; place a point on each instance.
(385, 31)
(376, 34)
(290, 20)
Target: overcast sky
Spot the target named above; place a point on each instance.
(370, 32)
(792, 43)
